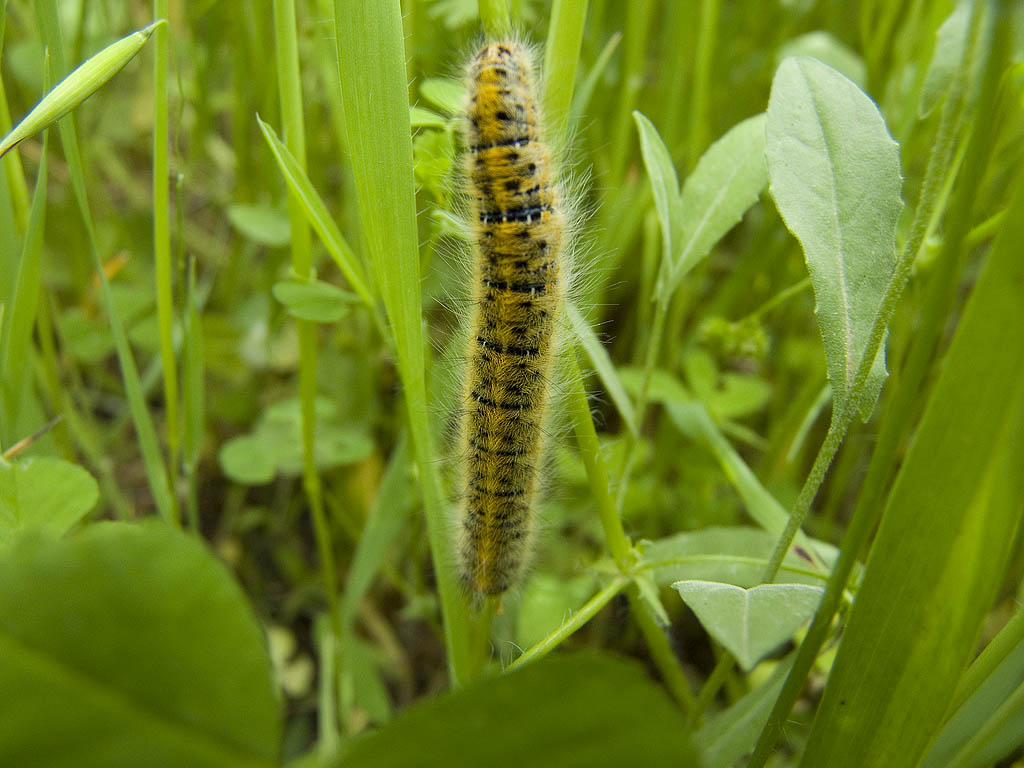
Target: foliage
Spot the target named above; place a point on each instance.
(228, 465)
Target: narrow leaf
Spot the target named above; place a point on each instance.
(994, 676)
(731, 734)
(835, 177)
(665, 188)
(604, 366)
(82, 83)
(316, 214)
(693, 419)
(371, 58)
(20, 317)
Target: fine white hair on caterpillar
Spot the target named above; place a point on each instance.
(518, 286)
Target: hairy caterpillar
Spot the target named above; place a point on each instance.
(519, 227)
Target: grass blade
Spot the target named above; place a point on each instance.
(20, 314)
(317, 215)
(371, 57)
(88, 78)
(156, 470)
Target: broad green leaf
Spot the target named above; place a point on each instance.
(950, 47)
(750, 623)
(316, 300)
(731, 734)
(938, 557)
(261, 223)
(828, 50)
(248, 460)
(130, 645)
(79, 85)
(728, 180)
(581, 100)
(443, 93)
(569, 711)
(275, 446)
(993, 677)
(835, 177)
(604, 366)
(316, 214)
(424, 118)
(43, 493)
(733, 555)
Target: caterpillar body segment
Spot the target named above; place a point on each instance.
(518, 226)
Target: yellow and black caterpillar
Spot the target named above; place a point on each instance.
(518, 226)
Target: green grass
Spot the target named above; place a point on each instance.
(237, 280)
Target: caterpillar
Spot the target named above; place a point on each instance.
(517, 287)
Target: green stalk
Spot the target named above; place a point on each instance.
(697, 141)
(565, 37)
(561, 57)
(616, 539)
(590, 452)
(638, 18)
(156, 470)
(371, 58)
(290, 92)
(650, 360)
(495, 18)
(162, 240)
(569, 627)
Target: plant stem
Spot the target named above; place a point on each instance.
(568, 628)
(495, 18)
(662, 654)
(710, 689)
(710, 10)
(162, 243)
(590, 451)
(561, 58)
(290, 92)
